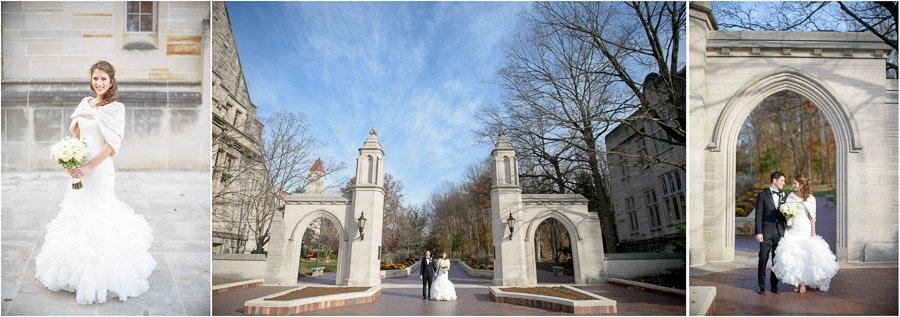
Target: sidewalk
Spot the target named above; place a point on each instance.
(175, 204)
(857, 289)
(403, 297)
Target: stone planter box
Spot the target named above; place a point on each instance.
(668, 291)
(599, 305)
(703, 301)
(227, 287)
(475, 272)
(400, 273)
(745, 225)
(260, 306)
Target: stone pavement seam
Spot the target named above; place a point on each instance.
(21, 279)
(175, 283)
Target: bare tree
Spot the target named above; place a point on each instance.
(876, 17)
(288, 150)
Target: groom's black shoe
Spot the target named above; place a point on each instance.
(775, 290)
(761, 290)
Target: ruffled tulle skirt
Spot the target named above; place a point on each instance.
(96, 246)
(443, 289)
(805, 260)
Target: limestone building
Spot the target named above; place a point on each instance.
(238, 174)
(647, 202)
(161, 52)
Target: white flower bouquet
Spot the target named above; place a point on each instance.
(789, 210)
(70, 153)
(445, 266)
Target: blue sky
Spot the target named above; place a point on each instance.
(417, 71)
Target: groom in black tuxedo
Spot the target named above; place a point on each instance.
(770, 224)
(427, 269)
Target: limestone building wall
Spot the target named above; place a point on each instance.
(647, 203)
(48, 48)
(237, 159)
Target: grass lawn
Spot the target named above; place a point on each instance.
(329, 267)
(818, 192)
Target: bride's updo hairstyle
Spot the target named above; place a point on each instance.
(113, 90)
(805, 189)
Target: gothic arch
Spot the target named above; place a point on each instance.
(296, 237)
(746, 99)
(574, 238)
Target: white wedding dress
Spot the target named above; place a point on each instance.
(442, 288)
(96, 245)
(801, 258)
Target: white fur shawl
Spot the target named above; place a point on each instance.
(110, 118)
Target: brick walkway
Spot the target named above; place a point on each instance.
(858, 291)
(403, 297)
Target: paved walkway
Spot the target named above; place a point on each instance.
(403, 297)
(175, 204)
(857, 289)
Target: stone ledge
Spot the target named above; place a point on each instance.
(600, 305)
(224, 288)
(305, 199)
(703, 301)
(475, 272)
(668, 291)
(260, 306)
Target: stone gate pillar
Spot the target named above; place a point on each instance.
(510, 255)
(368, 200)
(278, 264)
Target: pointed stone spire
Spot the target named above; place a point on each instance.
(502, 143)
(372, 142)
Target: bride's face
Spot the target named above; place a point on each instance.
(444, 255)
(797, 186)
(100, 82)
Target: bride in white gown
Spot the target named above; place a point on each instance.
(96, 244)
(442, 288)
(804, 258)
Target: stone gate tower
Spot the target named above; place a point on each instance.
(506, 200)
(368, 201)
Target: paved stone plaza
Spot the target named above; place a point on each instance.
(403, 297)
(857, 289)
(175, 204)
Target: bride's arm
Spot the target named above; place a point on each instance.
(104, 153)
(76, 132)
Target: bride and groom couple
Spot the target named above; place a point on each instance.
(800, 257)
(435, 283)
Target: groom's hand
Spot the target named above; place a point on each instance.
(759, 238)
(420, 277)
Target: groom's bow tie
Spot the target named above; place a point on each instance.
(776, 192)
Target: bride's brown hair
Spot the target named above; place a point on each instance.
(113, 91)
(805, 189)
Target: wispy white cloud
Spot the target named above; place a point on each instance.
(415, 70)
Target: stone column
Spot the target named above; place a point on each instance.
(277, 261)
(701, 22)
(368, 200)
(510, 256)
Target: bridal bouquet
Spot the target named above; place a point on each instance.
(70, 153)
(445, 266)
(789, 210)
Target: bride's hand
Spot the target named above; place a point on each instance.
(83, 171)
(72, 172)
(813, 234)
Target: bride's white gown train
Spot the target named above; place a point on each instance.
(96, 245)
(801, 258)
(442, 288)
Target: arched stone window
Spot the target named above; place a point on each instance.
(371, 169)
(506, 168)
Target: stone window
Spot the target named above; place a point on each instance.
(140, 16)
(653, 209)
(632, 216)
(673, 195)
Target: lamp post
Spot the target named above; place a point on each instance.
(362, 223)
(319, 250)
(512, 224)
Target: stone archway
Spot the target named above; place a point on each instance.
(513, 263)
(574, 238)
(843, 74)
(296, 236)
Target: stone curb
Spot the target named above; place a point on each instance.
(674, 292)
